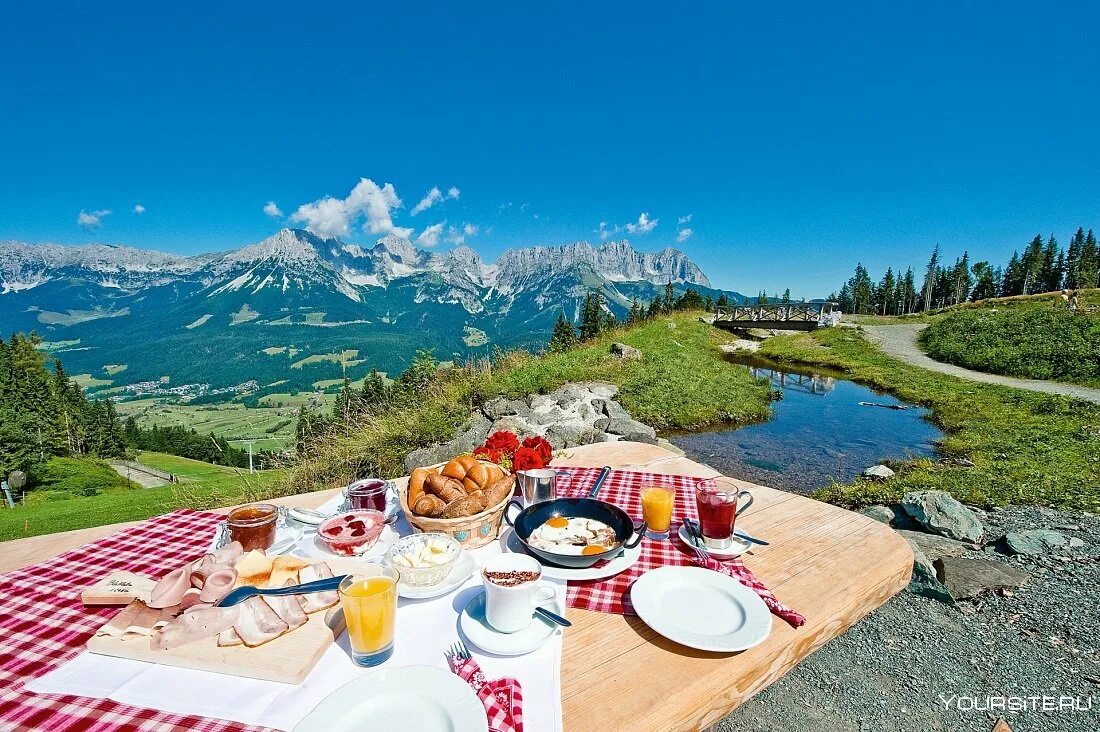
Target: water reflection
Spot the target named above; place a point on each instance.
(820, 431)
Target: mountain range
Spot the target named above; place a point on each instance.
(296, 309)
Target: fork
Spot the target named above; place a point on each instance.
(695, 542)
(459, 650)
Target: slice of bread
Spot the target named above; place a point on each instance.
(285, 567)
(254, 569)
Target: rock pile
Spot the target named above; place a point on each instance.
(575, 414)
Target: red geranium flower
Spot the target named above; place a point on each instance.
(527, 458)
(504, 441)
(541, 446)
(487, 453)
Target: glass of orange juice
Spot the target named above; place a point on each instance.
(369, 600)
(657, 503)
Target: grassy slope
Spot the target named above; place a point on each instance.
(1026, 447)
(1043, 341)
(204, 486)
(681, 381)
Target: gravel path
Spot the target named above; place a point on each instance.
(900, 341)
(888, 672)
(145, 480)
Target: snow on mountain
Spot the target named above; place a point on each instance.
(295, 259)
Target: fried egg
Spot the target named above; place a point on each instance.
(573, 536)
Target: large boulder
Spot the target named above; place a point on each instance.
(625, 352)
(941, 514)
(1038, 541)
(966, 578)
(633, 430)
(882, 514)
(500, 407)
(924, 581)
(472, 435)
(934, 546)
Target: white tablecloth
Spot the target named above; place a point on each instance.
(425, 628)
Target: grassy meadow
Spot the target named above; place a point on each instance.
(1025, 447)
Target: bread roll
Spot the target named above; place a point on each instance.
(460, 507)
(498, 491)
(446, 488)
(428, 505)
(458, 467)
(416, 483)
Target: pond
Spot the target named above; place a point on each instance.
(819, 431)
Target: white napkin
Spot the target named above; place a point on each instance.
(424, 630)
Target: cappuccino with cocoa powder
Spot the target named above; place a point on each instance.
(512, 578)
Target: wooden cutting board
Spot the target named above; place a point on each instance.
(288, 659)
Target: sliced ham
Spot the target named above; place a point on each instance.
(257, 623)
(316, 601)
(171, 588)
(228, 553)
(228, 638)
(193, 626)
(291, 608)
(217, 583)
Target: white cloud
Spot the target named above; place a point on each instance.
(643, 225)
(330, 216)
(454, 236)
(606, 231)
(272, 210)
(91, 220)
(431, 198)
(453, 193)
(684, 220)
(470, 229)
(683, 235)
(430, 236)
(139, 209)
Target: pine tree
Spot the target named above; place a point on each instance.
(564, 336)
(930, 277)
(1032, 264)
(654, 308)
(884, 295)
(669, 299)
(909, 289)
(592, 320)
(1013, 281)
(374, 393)
(1073, 259)
(1088, 272)
(762, 298)
(1050, 276)
(637, 314)
(786, 296)
(723, 302)
(346, 405)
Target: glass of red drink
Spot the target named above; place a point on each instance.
(718, 508)
(367, 494)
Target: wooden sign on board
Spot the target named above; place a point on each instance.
(118, 588)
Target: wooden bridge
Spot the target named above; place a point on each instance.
(785, 316)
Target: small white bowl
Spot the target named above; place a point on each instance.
(428, 575)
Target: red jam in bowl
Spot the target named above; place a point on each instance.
(351, 531)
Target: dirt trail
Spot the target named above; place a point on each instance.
(900, 341)
(145, 480)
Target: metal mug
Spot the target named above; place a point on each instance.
(538, 486)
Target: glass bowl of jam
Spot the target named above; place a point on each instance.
(254, 526)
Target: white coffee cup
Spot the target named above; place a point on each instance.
(510, 608)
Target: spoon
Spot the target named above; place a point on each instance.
(239, 595)
(552, 617)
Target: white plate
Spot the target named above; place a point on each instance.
(463, 567)
(311, 545)
(736, 549)
(509, 542)
(472, 623)
(701, 608)
(423, 698)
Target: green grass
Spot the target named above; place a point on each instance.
(1040, 342)
(229, 420)
(205, 486)
(61, 477)
(681, 381)
(1026, 447)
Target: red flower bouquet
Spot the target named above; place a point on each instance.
(527, 458)
(504, 449)
(542, 447)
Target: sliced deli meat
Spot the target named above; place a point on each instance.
(290, 608)
(257, 623)
(193, 626)
(169, 591)
(229, 638)
(316, 601)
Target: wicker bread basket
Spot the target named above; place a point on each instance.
(469, 531)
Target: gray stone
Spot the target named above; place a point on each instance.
(662, 442)
(562, 436)
(510, 424)
(878, 472)
(924, 581)
(1035, 541)
(600, 389)
(473, 434)
(601, 424)
(1076, 543)
(935, 547)
(671, 325)
(626, 427)
(626, 352)
(501, 407)
(941, 514)
(966, 578)
(882, 514)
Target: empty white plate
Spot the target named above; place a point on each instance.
(476, 629)
(701, 608)
(423, 698)
(460, 572)
(511, 543)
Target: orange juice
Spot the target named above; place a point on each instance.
(657, 508)
(369, 601)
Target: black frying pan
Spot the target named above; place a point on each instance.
(534, 516)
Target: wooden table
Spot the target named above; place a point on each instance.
(832, 565)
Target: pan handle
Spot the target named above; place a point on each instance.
(599, 481)
(509, 519)
(637, 538)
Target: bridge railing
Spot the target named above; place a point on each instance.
(805, 312)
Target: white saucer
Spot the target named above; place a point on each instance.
(463, 567)
(472, 623)
(736, 549)
(701, 608)
(509, 542)
(421, 697)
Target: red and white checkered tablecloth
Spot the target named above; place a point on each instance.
(623, 488)
(43, 624)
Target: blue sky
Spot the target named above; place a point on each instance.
(799, 139)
